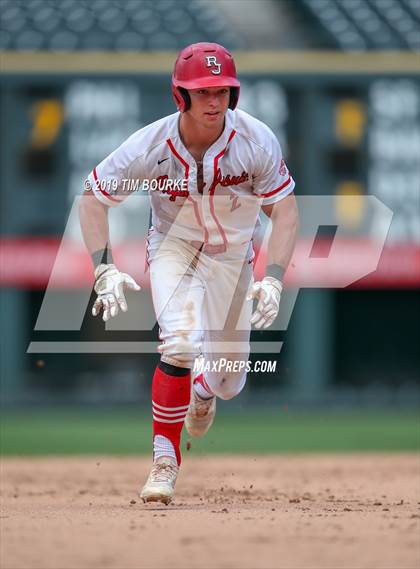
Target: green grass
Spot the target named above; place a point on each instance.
(250, 432)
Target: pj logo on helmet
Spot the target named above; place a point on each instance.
(211, 60)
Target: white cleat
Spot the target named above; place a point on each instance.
(200, 415)
(161, 482)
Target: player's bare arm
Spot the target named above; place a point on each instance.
(94, 224)
(109, 281)
(285, 221)
(284, 218)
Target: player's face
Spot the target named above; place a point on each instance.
(209, 105)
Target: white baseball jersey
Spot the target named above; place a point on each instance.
(242, 170)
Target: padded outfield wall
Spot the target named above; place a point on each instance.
(349, 127)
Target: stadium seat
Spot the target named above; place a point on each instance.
(111, 24)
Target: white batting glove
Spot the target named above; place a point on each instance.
(267, 292)
(110, 285)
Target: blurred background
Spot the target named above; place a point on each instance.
(337, 81)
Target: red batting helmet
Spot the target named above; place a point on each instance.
(203, 65)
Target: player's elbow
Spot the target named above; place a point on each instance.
(286, 214)
(90, 206)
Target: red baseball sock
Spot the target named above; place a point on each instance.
(170, 401)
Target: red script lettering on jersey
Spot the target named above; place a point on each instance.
(166, 186)
(229, 180)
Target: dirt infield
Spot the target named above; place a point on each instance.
(349, 511)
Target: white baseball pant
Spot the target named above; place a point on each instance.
(200, 305)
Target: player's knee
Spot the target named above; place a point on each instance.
(181, 350)
(227, 394)
(227, 386)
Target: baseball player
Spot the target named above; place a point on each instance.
(210, 169)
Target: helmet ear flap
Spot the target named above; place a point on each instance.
(234, 97)
(181, 98)
(186, 98)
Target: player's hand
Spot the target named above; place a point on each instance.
(267, 292)
(109, 286)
